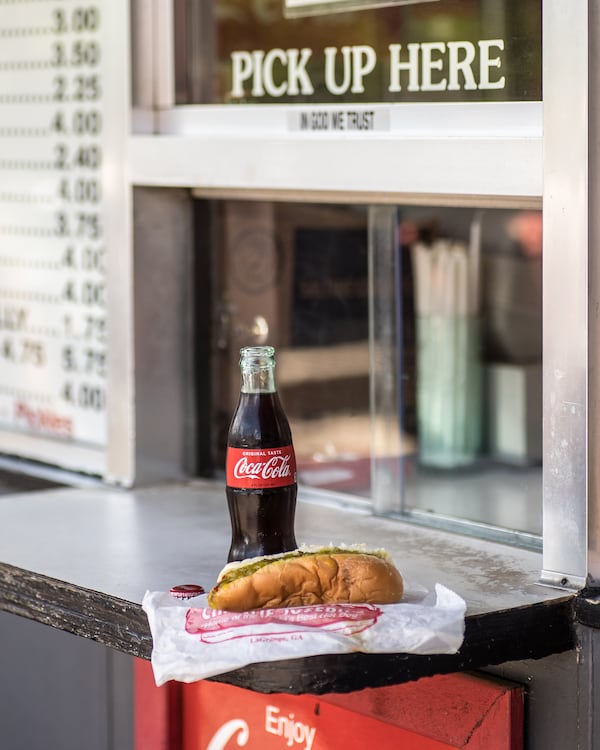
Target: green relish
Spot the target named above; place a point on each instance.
(242, 570)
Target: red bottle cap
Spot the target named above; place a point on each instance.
(186, 591)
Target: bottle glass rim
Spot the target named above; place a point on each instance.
(257, 351)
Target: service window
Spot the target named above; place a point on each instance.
(408, 349)
(372, 174)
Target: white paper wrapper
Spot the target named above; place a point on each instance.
(192, 642)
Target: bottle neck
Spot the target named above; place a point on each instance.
(257, 365)
(257, 380)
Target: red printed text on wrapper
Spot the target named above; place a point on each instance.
(217, 626)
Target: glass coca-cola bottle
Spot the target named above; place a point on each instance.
(261, 464)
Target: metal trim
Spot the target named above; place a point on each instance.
(163, 54)
(479, 167)
(120, 443)
(565, 278)
(593, 456)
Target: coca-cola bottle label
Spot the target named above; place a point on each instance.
(261, 468)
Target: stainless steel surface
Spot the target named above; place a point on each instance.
(163, 54)
(142, 64)
(152, 61)
(125, 542)
(594, 300)
(444, 150)
(478, 166)
(565, 291)
(385, 372)
(142, 54)
(120, 444)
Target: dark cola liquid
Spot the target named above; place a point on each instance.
(262, 520)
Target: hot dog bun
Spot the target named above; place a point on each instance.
(329, 575)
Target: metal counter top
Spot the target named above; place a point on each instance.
(81, 559)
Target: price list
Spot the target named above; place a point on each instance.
(53, 331)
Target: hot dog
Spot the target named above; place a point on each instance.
(325, 575)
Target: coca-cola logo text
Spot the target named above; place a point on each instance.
(261, 467)
(230, 729)
(278, 466)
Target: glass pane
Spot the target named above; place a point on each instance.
(296, 276)
(408, 348)
(459, 313)
(256, 52)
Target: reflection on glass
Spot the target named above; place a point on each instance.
(303, 270)
(467, 341)
(249, 52)
(324, 369)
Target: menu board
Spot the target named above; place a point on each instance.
(53, 158)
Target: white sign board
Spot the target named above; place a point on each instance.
(53, 163)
